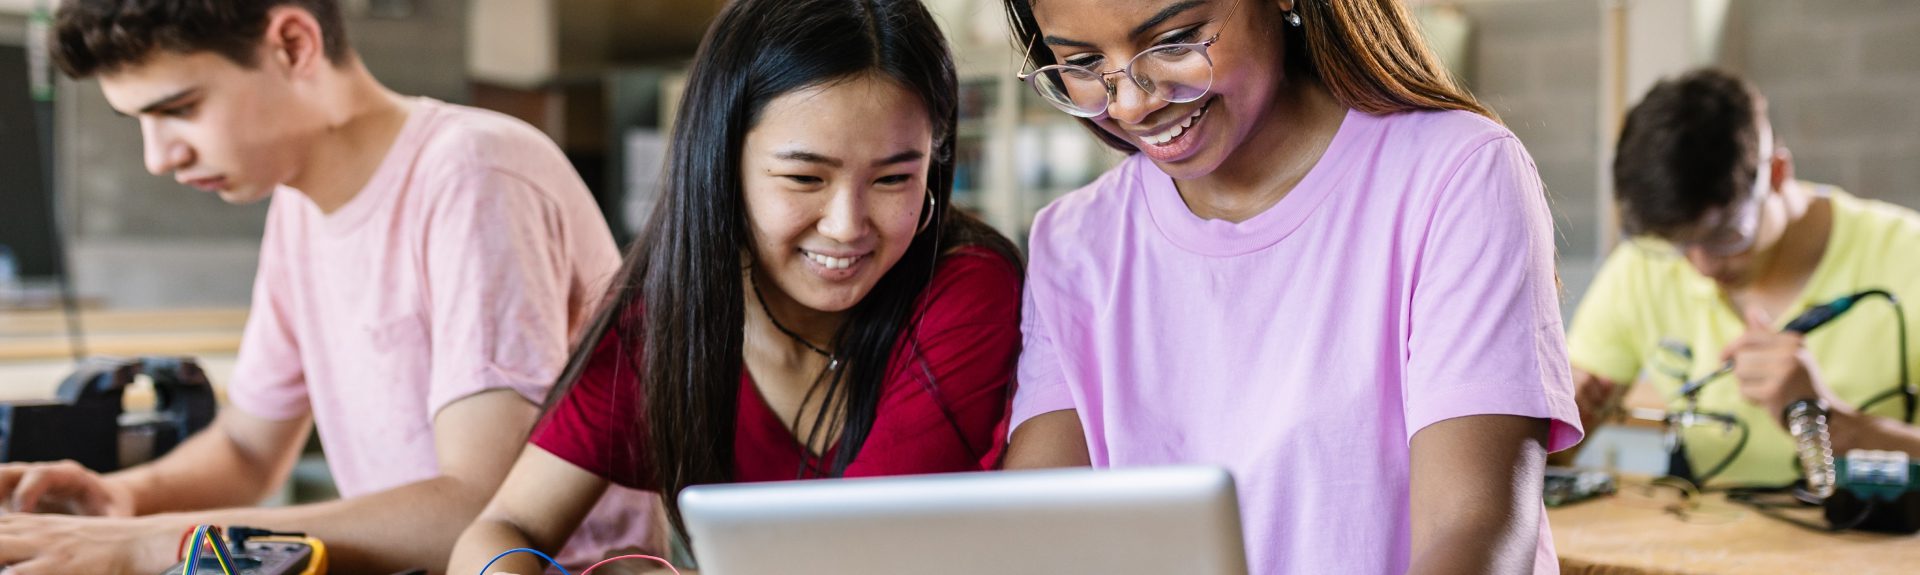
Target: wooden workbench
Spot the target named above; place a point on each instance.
(1611, 536)
(41, 335)
(34, 352)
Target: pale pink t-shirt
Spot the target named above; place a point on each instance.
(463, 266)
(1408, 279)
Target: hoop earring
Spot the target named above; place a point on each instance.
(927, 216)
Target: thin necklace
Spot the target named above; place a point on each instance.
(833, 363)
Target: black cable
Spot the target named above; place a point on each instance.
(1879, 399)
(1905, 390)
(1752, 497)
(1906, 384)
(1738, 446)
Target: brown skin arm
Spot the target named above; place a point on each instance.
(1855, 430)
(1476, 494)
(1476, 485)
(1052, 439)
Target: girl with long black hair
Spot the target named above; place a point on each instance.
(804, 303)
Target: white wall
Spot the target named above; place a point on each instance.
(16, 6)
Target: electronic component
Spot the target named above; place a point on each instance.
(264, 555)
(86, 424)
(1566, 485)
(1807, 422)
(1876, 491)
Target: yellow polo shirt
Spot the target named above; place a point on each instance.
(1646, 306)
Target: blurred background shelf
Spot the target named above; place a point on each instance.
(603, 78)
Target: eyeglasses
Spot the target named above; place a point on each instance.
(1172, 73)
(1735, 233)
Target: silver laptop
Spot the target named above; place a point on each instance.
(1053, 522)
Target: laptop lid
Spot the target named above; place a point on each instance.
(1113, 522)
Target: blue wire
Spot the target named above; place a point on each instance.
(192, 565)
(536, 552)
(204, 535)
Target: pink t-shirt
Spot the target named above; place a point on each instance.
(1408, 279)
(463, 266)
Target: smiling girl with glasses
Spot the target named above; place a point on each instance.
(1325, 267)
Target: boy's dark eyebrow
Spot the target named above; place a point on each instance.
(1159, 18)
(163, 103)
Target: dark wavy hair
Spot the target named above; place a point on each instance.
(103, 36)
(685, 268)
(1691, 146)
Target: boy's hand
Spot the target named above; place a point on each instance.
(62, 487)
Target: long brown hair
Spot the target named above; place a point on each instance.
(1369, 53)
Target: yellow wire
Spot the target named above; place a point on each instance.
(203, 535)
(220, 552)
(192, 565)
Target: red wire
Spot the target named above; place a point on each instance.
(181, 553)
(670, 567)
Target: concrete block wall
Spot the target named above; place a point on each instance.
(1843, 78)
(1843, 81)
(1537, 64)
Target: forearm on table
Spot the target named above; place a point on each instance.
(1855, 430)
(207, 471)
(490, 536)
(411, 526)
(540, 505)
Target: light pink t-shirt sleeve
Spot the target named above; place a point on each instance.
(268, 377)
(1040, 387)
(497, 285)
(1484, 328)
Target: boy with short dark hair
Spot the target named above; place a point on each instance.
(423, 267)
(1729, 248)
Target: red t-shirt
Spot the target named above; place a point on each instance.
(967, 341)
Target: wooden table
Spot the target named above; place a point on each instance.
(1616, 536)
(34, 353)
(41, 335)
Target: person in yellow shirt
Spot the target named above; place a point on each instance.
(1727, 248)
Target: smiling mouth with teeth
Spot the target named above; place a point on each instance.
(1162, 138)
(832, 263)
